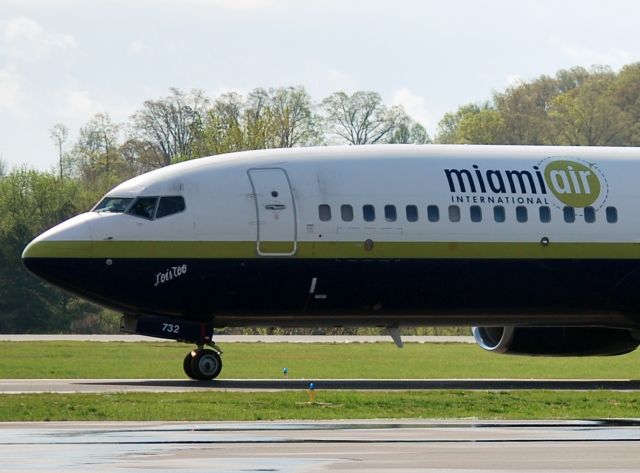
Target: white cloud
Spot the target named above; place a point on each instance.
(11, 92)
(340, 80)
(40, 4)
(240, 4)
(513, 80)
(414, 105)
(322, 81)
(25, 40)
(585, 56)
(138, 47)
(243, 5)
(78, 105)
(237, 5)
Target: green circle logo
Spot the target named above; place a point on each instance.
(573, 183)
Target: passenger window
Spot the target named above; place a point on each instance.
(612, 215)
(569, 214)
(143, 207)
(589, 214)
(476, 213)
(390, 213)
(521, 214)
(346, 212)
(433, 213)
(454, 213)
(324, 212)
(368, 213)
(412, 213)
(170, 205)
(499, 214)
(545, 214)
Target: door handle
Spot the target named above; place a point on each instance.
(275, 206)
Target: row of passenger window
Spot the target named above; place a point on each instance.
(455, 213)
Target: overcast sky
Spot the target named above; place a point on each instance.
(65, 60)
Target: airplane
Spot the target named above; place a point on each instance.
(537, 248)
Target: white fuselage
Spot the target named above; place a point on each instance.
(370, 232)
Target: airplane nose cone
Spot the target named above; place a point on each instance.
(46, 254)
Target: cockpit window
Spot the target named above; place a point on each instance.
(143, 207)
(113, 204)
(170, 205)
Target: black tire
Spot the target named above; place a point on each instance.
(186, 365)
(206, 365)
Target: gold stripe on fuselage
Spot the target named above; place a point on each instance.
(331, 250)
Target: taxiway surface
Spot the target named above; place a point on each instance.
(311, 447)
(25, 386)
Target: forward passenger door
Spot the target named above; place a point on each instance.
(275, 211)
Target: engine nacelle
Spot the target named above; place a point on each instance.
(556, 341)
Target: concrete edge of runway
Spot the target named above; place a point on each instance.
(240, 338)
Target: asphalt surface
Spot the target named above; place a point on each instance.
(22, 386)
(313, 447)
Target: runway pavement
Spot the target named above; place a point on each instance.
(21, 386)
(313, 447)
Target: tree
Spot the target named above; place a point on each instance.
(141, 156)
(473, 124)
(449, 126)
(59, 134)
(524, 111)
(486, 127)
(31, 202)
(419, 135)
(360, 118)
(626, 95)
(223, 128)
(588, 115)
(410, 132)
(292, 112)
(256, 121)
(576, 107)
(171, 123)
(274, 118)
(569, 79)
(96, 153)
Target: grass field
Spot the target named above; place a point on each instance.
(235, 406)
(316, 361)
(305, 361)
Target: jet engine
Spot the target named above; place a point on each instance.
(556, 341)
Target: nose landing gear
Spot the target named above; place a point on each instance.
(202, 363)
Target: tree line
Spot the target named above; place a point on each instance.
(595, 107)
(188, 125)
(576, 107)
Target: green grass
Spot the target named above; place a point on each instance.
(220, 406)
(316, 361)
(308, 361)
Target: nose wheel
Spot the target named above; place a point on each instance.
(202, 364)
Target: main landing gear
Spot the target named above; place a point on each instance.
(202, 363)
